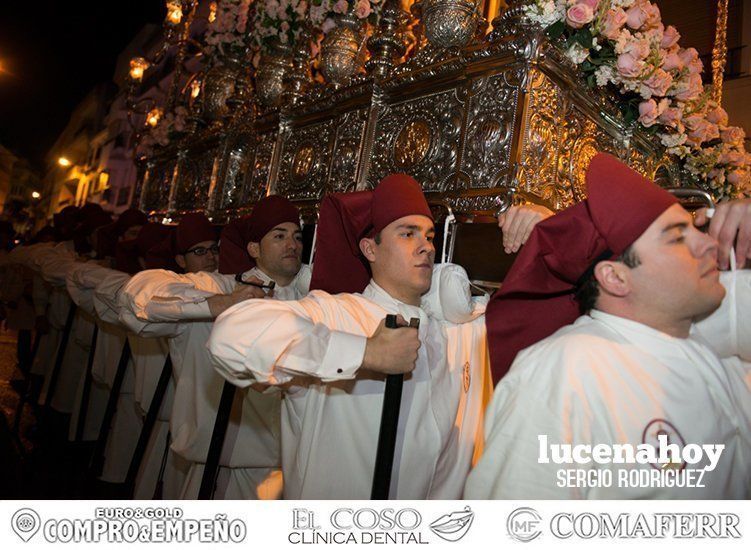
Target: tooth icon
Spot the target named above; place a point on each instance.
(454, 526)
(25, 523)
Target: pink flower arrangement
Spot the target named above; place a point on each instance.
(624, 44)
(230, 26)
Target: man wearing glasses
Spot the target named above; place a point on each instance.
(267, 252)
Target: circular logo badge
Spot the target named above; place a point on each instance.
(660, 430)
(523, 524)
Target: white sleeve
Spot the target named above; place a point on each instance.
(158, 295)
(54, 267)
(81, 281)
(271, 342)
(106, 295)
(728, 329)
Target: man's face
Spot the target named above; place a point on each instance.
(279, 254)
(202, 256)
(131, 233)
(402, 263)
(678, 271)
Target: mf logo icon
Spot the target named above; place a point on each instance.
(523, 524)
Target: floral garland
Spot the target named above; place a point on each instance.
(278, 21)
(325, 11)
(623, 44)
(229, 26)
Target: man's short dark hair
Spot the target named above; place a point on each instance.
(588, 292)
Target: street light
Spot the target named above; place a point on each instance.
(62, 161)
(35, 194)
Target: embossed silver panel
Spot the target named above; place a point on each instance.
(346, 158)
(420, 137)
(194, 179)
(304, 161)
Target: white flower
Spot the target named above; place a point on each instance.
(577, 54)
(546, 12)
(673, 140)
(604, 75)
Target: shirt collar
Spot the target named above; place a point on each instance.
(377, 294)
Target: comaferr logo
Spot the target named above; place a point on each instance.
(523, 524)
(452, 527)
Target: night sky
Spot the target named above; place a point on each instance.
(52, 53)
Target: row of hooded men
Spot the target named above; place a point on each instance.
(311, 370)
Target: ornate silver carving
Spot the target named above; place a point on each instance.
(347, 156)
(272, 68)
(156, 186)
(449, 23)
(219, 86)
(386, 45)
(194, 179)
(342, 54)
(304, 160)
(490, 130)
(257, 180)
(438, 116)
(297, 79)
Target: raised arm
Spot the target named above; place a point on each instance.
(271, 342)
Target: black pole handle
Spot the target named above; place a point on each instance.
(97, 461)
(57, 367)
(148, 426)
(85, 395)
(392, 401)
(221, 423)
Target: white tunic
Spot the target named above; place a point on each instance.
(609, 380)
(54, 266)
(147, 359)
(331, 417)
(162, 303)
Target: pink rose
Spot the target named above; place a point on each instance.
(659, 82)
(636, 16)
(629, 66)
(362, 10)
(736, 177)
(688, 55)
(612, 23)
(733, 158)
(670, 37)
(648, 112)
(700, 129)
(689, 88)
(340, 6)
(579, 15)
(636, 47)
(672, 62)
(653, 15)
(718, 116)
(671, 117)
(733, 135)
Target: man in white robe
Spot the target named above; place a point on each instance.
(656, 359)
(182, 307)
(330, 353)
